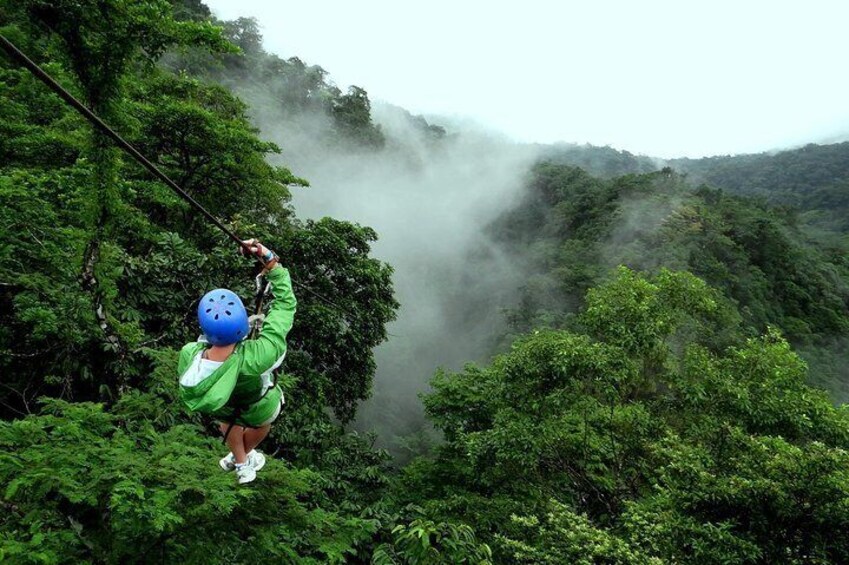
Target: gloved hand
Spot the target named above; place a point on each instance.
(253, 247)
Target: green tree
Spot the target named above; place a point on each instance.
(640, 439)
(89, 486)
(100, 42)
(96, 483)
(575, 227)
(424, 542)
(352, 112)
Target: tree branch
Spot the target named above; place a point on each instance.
(23, 399)
(148, 342)
(90, 284)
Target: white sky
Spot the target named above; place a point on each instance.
(664, 78)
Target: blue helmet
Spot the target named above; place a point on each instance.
(222, 317)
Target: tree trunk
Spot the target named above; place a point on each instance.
(104, 200)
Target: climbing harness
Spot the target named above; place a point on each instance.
(255, 323)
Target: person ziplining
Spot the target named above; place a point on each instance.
(228, 376)
(225, 373)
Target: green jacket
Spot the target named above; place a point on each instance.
(238, 383)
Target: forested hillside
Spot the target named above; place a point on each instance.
(649, 401)
(302, 94)
(636, 436)
(578, 227)
(814, 179)
(604, 162)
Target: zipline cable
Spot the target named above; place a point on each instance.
(39, 73)
(20, 57)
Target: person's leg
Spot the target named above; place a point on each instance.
(253, 437)
(236, 442)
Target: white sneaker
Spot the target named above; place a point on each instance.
(245, 473)
(228, 462)
(256, 460)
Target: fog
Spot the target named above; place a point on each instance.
(430, 200)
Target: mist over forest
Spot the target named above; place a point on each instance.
(502, 352)
(431, 198)
(438, 197)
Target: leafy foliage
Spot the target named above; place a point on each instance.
(565, 537)
(87, 485)
(630, 444)
(425, 542)
(577, 227)
(812, 178)
(290, 85)
(641, 415)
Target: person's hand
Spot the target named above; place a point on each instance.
(253, 247)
